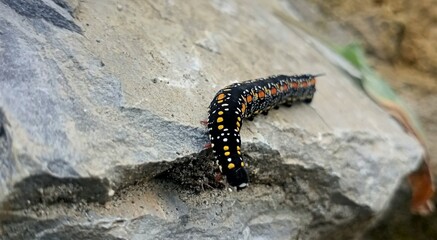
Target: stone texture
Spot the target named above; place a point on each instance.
(100, 135)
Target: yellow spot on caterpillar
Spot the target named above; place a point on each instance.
(239, 118)
(220, 127)
(227, 153)
(220, 113)
(231, 166)
(238, 124)
(243, 108)
(221, 96)
(239, 153)
(220, 119)
(226, 148)
(219, 101)
(242, 164)
(238, 148)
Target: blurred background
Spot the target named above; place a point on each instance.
(399, 38)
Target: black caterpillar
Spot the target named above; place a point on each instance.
(245, 100)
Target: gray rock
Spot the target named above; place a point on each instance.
(100, 135)
(51, 11)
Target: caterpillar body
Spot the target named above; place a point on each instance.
(245, 100)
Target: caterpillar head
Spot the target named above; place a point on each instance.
(238, 177)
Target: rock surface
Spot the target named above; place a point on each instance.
(100, 135)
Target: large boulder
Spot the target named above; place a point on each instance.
(100, 135)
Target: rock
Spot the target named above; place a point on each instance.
(57, 12)
(114, 150)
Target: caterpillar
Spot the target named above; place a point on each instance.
(245, 100)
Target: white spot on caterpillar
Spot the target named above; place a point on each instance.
(229, 159)
(225, 139)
